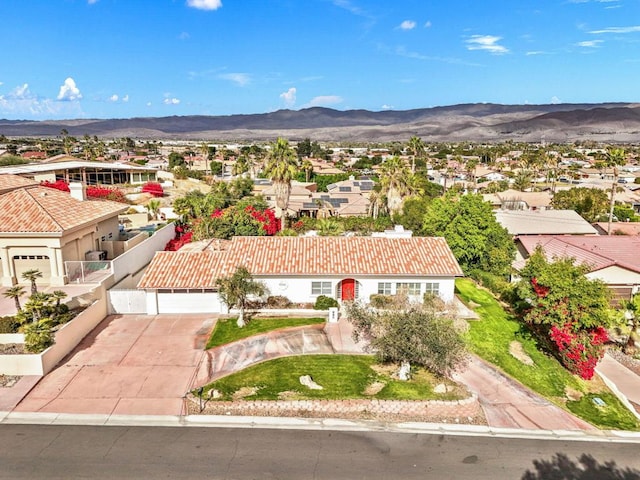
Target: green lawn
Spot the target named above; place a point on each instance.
(341, 376)
(226, 330)
(490, 337)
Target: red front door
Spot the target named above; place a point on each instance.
(348, 289)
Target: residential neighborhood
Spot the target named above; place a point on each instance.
(152, 259)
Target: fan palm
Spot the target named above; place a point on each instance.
(15, 292)
(281, 168)
(32, 276)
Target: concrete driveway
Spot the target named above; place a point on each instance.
(129, 365)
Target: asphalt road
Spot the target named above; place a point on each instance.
(109, 452)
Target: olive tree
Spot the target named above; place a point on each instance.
(236, 289)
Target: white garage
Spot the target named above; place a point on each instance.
(184, 301)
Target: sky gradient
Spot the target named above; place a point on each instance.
(146, 58)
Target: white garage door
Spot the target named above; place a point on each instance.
(191, 302)
(22, 263)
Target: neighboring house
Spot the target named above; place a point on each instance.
(544, 222)
(301, 269)
(618, 228)
(42, 228)
(516, 200)
(612, 259)
(89, 173)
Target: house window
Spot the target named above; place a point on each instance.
(433, 288)
(408, 288)
(320, 288)
(384, 288)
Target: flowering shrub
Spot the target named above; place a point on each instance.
(270, 224)
(153, 188)
(579, 351)
(58, 185)
(183, 236)
(105, 193)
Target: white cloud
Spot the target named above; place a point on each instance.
(289, 97)
(555, 100)
(21, 103)
(149, 104)
(407, 25)
(387, 107)
(171, 101)
(91, 2)
(631, 29)
(21, 91)
(589, 43)
(488, 43)
(125, 99)
(323, 100)
(205, 4)
(427, 24)
(240, 79)
(69, 92)
(114, 98)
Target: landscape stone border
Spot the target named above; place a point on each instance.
(467, 410)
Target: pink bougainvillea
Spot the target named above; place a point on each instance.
(106, 193)
(58, 185)
(153, 188)
(579, 351)
(183, 236)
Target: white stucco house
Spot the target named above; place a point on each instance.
(42, 228)
(301, 269)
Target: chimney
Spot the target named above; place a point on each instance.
(77, 191)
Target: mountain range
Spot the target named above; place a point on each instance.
(605, 122)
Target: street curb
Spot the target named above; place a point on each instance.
(328, 424)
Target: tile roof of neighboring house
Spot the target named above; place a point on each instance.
(12, 182)
(598, 251)
(47, 210)
(619, 228)
(532, 199)
(544, 222)
(303, 256)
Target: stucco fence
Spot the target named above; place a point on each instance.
(66, 339)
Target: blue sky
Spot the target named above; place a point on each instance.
(141, 58)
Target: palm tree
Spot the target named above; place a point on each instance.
(281, 168)
(15, 292)
(614, 158)
(416, 146)
(396, 183)
(329, 227)
(153, 207)
(32, 276)
(204, 150)
(307, 167)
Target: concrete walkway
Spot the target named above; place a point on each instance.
(508, 404)
(622, 381)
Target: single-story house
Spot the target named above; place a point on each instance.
(42, 228)
(516, 200)
(301, 269)
(88, 173)
(613, 259)
(544, 222)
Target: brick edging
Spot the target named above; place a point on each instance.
(443, 408)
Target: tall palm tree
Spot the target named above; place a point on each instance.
(32, 276)
(416, 146)
(281, 168)
(614, 158)
(15, 292)
(396, 183)
(307, 167)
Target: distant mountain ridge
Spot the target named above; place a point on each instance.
(607, 122)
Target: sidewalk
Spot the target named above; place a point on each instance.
(622, 381)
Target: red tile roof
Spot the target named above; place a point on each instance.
(304, 256)
(598, 251)
(47, 210)
(10, 182)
